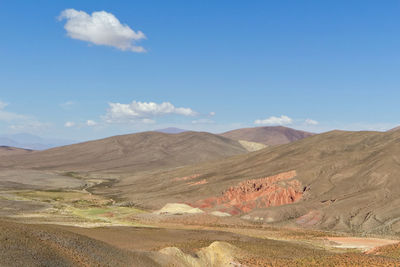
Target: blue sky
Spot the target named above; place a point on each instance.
(217, 65)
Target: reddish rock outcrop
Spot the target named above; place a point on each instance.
(277, 190)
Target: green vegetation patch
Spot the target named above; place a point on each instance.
(107, 214)
(75, 198)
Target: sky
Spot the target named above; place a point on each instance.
(89, 69)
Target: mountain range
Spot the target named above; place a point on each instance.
(339, 180)
(29, 141)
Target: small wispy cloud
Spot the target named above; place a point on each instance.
(30, 126)
(91, 123)
(282, 120)
(311, 122)
(101, 28)
(20, 122)
(203, 121)
(9, 116)
(69, 124)
(3, 105)
(67, 105)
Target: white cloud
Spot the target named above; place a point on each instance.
(20, 122)
(203, 121)
(9, 116)
(69, 124)
(212, 114)
(282, 120)
(3, 105)
(91, 123)
(101, 28)
(148, 121)
(67, 105)
(137, 111)
(29, 126)
(311, 122)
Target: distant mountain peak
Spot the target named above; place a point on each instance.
(30, 141)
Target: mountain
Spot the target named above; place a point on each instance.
(344, 181)
(171, 130)
(29, 141)
(7, 151)
(132, 153)
(4, 141)
(394, 129)
(270, 135)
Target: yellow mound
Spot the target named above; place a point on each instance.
(178, 208)
(220, 214)
(252, 146)
(217, 254)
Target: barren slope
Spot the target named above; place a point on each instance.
(42, 245)
(8, 151)
(339, 180)
(394, 129)
(133, 153)
(274, 135)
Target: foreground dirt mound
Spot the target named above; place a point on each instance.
(277, 190)
(34, 245)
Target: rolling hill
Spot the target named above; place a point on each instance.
(394, 129)
(171, 130)
(345, 181)
(270, 135)
(8, 151)
(131, 153)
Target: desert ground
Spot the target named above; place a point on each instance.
(261, 208)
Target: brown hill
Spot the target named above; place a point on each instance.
(8, 151)
(347, 181)
(131, 153)
(394, 129)
(273, 135)
(43, 245)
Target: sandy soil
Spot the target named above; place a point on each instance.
(364, 244)
(31, 179)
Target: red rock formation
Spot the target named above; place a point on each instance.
(277, 190)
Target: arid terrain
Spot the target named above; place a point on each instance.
(268, 135)
(198, 199)
(8, 151)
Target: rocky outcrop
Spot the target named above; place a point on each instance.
(277, 190)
